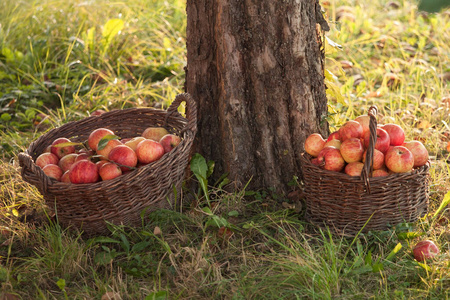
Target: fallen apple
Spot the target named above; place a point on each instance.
(314, 143)
(424, 250)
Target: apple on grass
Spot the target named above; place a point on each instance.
(53, 171)
(149, 151)
(83, 171)
(383, 140)
(351, 129)
(109, 171)
(170, 141)
(154, 133)
(46, 158)
(396, 134)
(399, 159)
(330, 158)
(314, 143)
(419, 152)
(425, 250)
(62, 150)
(96, 136)
(124, 156)
(352, 150)
(354, 168)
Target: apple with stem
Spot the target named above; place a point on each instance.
(399, 159)
(330, 158)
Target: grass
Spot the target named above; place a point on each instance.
(61, 60)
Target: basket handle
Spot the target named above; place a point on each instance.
(26, 163)
(368, 164)
(191, 111)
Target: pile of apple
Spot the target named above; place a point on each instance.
(345, 150)
(104, 155)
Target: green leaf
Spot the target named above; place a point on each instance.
(103, 258)
(394, 251)
(198, 166)
(8, 54)
(104, 141)
(433, 5)
(5, 117)
(61, 283)
(140, 246)
(233, 213)
(443, 205)
(160, 295)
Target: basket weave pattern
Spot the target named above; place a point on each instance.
(349, 204)
(120, 200)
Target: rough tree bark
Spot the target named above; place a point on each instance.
(255, 69)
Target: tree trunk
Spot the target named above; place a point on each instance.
(255, 68)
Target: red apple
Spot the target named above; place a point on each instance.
(354, 168)
(424, 250)
(383, 140)
(334, 143)
(124, 156)
(170, 141)
(132, 143)
(154, 133)
(83, 171)
(109, 171)
(351, 129)
(65, 177)
(314, 143)
(379, 173)
(399, 159)
(364, 120)
(377, 160)
(330, 158)
(149, 151)
(107, 149)
(100, 163)
(98, 112)
(96, 136)
(53, 171)
(419, 152)
(334, 136)
(396, 134)
(61, 151)
(67, 161)
(352, 150)
(82, 156)
(48, 149)
(46, 158)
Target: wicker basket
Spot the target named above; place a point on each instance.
(349, 204)
(120, 200)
